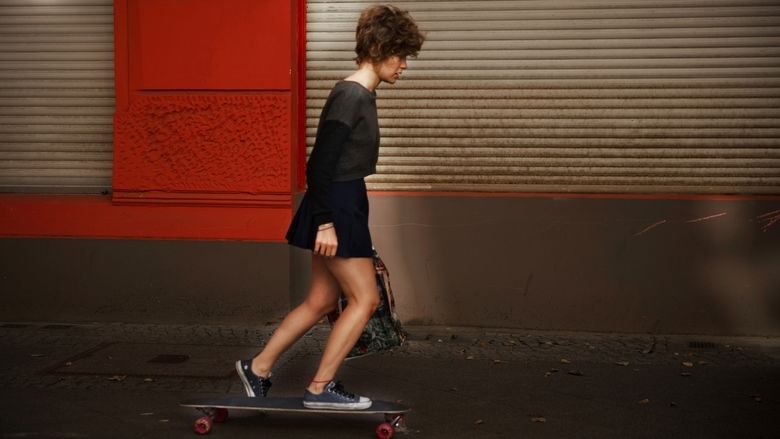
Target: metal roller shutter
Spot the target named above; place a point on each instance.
(622, 96)
(56, 95)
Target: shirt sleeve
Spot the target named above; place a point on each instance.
(341, 116)
(321, 168)
(338, 121)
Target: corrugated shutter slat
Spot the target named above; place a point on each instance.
(56, 95)
(574, 95)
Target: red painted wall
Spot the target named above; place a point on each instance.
(207, 114)
(206, 136)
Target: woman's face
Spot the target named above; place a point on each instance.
(391, 69)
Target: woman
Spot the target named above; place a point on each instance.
(332, 220)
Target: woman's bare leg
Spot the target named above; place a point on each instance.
(322, 298)
(357, 278)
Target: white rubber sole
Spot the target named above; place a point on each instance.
(337, 406)
(247, 387)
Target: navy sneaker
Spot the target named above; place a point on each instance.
(254, 385)
(334, 397)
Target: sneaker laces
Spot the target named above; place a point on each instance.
(338, 389)
(265, 385)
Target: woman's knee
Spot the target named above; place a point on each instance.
(357, 278)
(368, 301)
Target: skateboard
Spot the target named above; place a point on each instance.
(215, 410)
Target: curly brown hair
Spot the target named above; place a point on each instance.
(384, 31)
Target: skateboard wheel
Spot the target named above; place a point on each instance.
(220, 416)
(203, 425)
(385, 430)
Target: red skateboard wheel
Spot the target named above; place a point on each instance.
(385, 430)
(203, 425)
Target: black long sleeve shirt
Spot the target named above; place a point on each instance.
(347, 144)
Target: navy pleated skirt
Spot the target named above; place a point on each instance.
(349, 202)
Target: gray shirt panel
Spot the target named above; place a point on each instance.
(355, 106)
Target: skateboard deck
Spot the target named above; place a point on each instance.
(215, 410)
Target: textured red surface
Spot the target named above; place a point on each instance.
(205, 114)
(208, 139)
(204, 143)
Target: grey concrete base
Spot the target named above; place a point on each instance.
(83, 280)
(668, 266)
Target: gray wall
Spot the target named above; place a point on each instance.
(583, 264)
(143, 281)
(707, 267)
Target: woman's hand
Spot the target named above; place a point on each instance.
(325, 243)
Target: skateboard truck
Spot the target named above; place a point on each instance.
(394, 423)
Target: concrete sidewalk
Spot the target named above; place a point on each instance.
(125, 381)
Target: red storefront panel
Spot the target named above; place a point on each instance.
(205, 130)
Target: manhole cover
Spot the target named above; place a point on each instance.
(155, 360)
